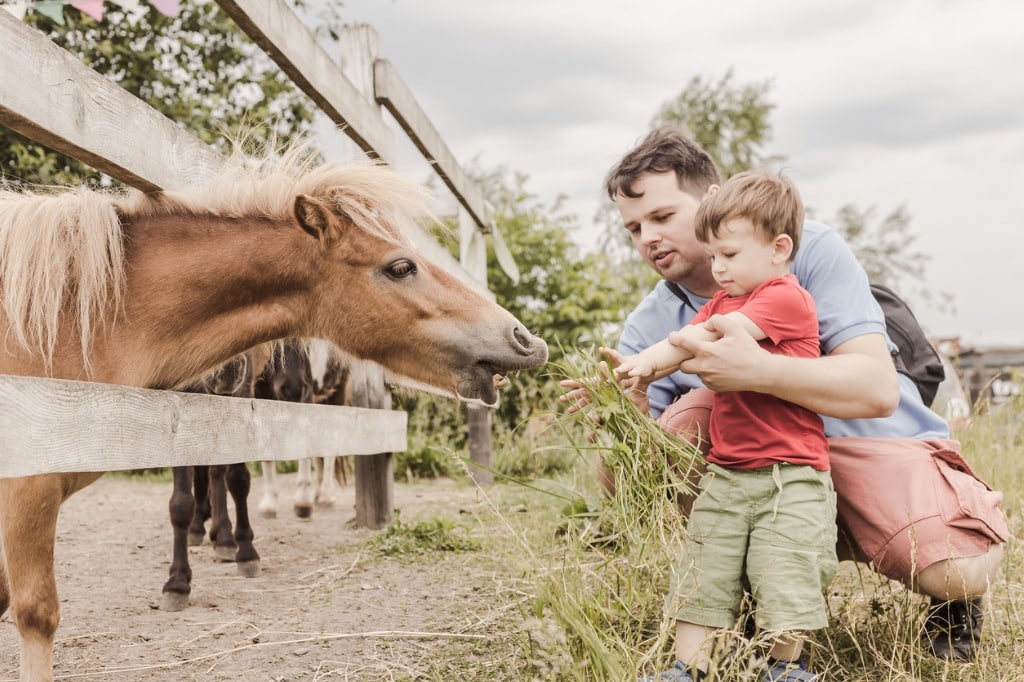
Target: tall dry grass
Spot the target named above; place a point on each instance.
(598, 594)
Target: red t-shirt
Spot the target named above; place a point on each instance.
(750, 430)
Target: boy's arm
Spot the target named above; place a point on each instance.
(665, 357)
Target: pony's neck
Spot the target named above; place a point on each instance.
(208, 288)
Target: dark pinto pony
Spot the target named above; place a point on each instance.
(150, 290)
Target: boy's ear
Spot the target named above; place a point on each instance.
(782, 248)
(712, 190)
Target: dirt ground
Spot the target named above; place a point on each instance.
(323, 606)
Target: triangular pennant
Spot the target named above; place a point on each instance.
(168, 8)
(126, 4)
(94, 8)
(53, 9)
(17, 10)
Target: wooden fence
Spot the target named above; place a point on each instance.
(46, 425)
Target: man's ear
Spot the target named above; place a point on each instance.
(312, 216)
(712, 190)
(782, 248)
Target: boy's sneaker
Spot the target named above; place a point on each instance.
(677, 673)
(953, 628)
(789, 671)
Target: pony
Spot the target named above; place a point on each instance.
(244, 376)
(326, 374)
(149, 290)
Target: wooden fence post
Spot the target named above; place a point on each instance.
(375, 491)
(473, 256)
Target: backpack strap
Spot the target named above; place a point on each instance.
(681, 295)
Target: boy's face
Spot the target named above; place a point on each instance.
(741, 259)
(660, 225)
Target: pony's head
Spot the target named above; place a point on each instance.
(379, 299)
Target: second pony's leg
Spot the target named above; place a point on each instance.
(304, 490)
(238, 481)
(200, 480)
(182, 510)
(268, 503)
(223, 540)
(326, 480)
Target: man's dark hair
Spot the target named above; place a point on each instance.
(666, 148)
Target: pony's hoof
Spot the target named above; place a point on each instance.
(195, 539)
(268, 513)
(304, 511)
(223, 553)
(173, 601)
(249, 569)
(325, 503)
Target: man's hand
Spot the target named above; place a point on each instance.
(733, 362)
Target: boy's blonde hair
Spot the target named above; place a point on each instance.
(769, 200)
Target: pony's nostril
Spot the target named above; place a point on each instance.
(522, 337)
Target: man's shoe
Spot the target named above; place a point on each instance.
(789, 671)
(953, 628)
(677, 673)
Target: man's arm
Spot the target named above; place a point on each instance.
(856, 380)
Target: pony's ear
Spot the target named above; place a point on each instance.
(312, 216)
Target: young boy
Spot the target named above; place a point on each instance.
(767, 508)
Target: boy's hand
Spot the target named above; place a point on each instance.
(633, 384)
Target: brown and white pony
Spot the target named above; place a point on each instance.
(153, 290)
(326, 375)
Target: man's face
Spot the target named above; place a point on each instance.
(660, 224)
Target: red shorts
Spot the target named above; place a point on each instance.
(903, 503)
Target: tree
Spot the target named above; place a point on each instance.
(198, 68)
(730, 122)
(888, 253)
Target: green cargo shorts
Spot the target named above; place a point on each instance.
(772, 528)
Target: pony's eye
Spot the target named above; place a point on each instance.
(401, 269)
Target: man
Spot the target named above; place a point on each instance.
(907, 502)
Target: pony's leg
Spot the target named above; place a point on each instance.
(304, 491)
(223, 540)
(268, 503)
(341, 469)
(238, 481)
(28, 528)
(201, 498)
(183, 510)
(327, 481)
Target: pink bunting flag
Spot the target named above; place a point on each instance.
(94, 8)
(168, 8)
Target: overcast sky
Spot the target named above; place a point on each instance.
(885, 104)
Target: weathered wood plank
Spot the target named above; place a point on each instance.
(48, 95)
(51, 425)
(273, 26)
(394, 94)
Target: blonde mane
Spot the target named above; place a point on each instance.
(61, 250)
